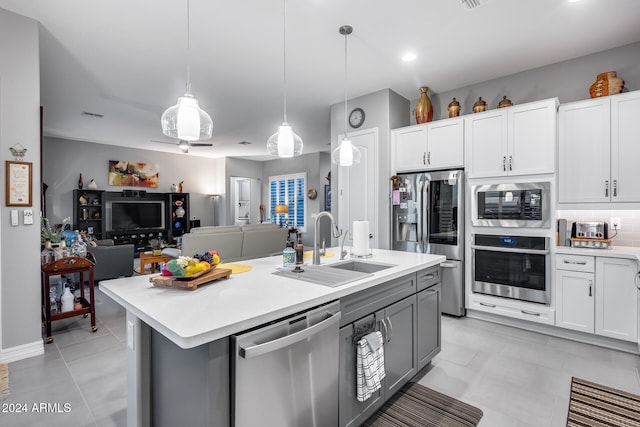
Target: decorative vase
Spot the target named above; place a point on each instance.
(607, 83)
(480, 105)
(80, 183)
(156, 252)
(505, 102)
(454, 108)
(92, 185)
(424, 108)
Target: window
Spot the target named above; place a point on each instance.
(288, 190)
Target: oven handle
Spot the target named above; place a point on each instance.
(512, 250)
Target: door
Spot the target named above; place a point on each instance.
(351, 411)
(486, 145)
(445, 144)
(575, 293)
(358, 187)
(584, 151)
(532, 136)
(400, 344)
(410, 146)
(625, 150)
(428, 324)
(616, 298)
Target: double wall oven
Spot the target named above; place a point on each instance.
(510, 241)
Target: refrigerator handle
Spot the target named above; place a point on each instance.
(419, 190)
(424, 213)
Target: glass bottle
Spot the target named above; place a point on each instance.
(299, 251)
(78, 246)
(47, 255)
(62, 251)
(288, 257)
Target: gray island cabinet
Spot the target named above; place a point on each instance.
(179, 361)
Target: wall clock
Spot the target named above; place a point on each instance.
(356, 117)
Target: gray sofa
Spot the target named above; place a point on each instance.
(112, 261)
(234, 243)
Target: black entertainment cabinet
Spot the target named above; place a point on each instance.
(132, 216)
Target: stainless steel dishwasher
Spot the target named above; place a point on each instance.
(286, 373)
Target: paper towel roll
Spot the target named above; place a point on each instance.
(360, 238)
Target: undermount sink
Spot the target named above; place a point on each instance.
(333, 275)
(361, 266)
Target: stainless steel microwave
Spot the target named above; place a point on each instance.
(511, 205)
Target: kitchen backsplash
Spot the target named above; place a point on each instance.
(629, 232)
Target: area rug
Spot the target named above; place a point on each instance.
(418, 406)
(4, 380)
(592, 404)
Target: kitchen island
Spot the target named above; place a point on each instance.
(177, 340)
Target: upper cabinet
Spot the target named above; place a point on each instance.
(434, 145)
(518, 140)
(598, 150)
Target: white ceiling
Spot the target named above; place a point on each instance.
(127, 59)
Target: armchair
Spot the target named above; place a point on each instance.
(112, 261)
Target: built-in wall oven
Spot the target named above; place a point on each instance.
(511, 266)
(511, 205)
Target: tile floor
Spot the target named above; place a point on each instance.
(518, 378)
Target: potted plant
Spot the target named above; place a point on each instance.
(52, 234)
(156, 246)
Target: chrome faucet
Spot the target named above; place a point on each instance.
(343, 253)
(336, 233)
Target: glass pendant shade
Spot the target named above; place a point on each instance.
(346, 154)
(186, 120)
(285, 142)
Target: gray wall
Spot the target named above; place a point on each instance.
(567, 80)
(385, 110)
(20, 323)
(237, 168)
(61, 170)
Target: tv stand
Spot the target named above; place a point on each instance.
(139, 239)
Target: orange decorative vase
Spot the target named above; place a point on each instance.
(424, 109)
(606, 84)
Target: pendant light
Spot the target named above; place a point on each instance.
(186, 120)
(346, 154)
(285, 142)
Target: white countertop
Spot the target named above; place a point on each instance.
(628, 252)
(245, 300)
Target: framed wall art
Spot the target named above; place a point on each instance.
(18, 183)
(133, 174)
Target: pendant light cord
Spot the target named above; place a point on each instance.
(284, 57)
(346, 34)
(188, 50)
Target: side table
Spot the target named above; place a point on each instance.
(68, 266)
(149, 258)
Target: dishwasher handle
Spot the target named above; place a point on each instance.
(277, 344)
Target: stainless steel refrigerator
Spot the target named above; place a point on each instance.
(428, 217)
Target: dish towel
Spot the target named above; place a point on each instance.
(369, 365)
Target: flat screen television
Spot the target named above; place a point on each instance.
(135, 215)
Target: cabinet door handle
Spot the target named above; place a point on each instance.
(424, 158)
(487, 305)
(606, 188)
(385, 331)
(510, 162)
(390, 329)
(590, 287)
(504, 163)
(429, 158)
(530, 313)
(635, 280)
(615, 188)
(566, 261)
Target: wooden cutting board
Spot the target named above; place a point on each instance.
(172, 282)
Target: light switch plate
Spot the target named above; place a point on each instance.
(14, 217)
(27, 217)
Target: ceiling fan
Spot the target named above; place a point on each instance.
(184, 145)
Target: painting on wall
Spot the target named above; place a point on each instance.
(132, 174)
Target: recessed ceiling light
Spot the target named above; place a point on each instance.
(409, 56)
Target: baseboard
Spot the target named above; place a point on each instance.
(20, 352)
(607, 342)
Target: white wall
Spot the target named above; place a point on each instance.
(20, 318)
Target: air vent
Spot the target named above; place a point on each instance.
(94, 115)
(472, 4)
(244, 143)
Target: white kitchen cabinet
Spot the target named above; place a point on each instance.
(598, 150)
(575, 293)
(518, 140)
(616, 298)
(434, 145)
